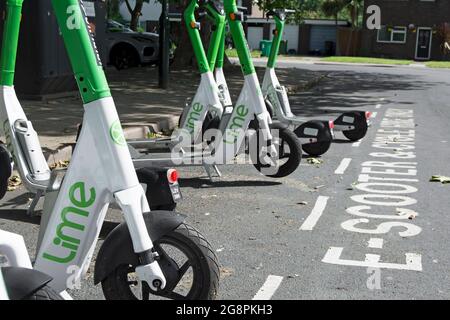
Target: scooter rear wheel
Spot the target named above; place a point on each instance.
(200, 270)
(294, 154)
(316, 149)
(360, 129)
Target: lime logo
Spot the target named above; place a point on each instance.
(116, 133)
(194, 116)
(236, 124)
(77, 209)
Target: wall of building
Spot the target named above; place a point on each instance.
(404, 13)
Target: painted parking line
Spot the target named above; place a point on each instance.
(357, 143)
(269, 287)
(315, 215)
(343, 166)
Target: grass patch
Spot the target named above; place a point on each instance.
(367, 60)
(232, 53)
(438, 64)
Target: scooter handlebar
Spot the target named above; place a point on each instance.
(280, 13)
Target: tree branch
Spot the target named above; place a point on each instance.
(129, 6)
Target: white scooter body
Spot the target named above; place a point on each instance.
(13, 249)
(3, 292)
(74, 209)
(278, 97)
(235, 121)
(249, 105)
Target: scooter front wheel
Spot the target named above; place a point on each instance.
(289, 153)
(188, 263)
(45, 293)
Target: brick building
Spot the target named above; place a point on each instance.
(409, 30)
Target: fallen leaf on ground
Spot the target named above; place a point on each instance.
(226, 272)
(314, 161)
(13, 183)
(442, 179)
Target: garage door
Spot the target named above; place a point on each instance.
(290, 34)
(320, 34)
(254, 36)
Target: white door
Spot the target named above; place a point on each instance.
(254, 36)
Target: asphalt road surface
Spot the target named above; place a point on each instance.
(366, 223)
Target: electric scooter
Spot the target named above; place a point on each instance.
(231, 131)
(101, 171)
(315, 136)
(18, 279)
(353, 124)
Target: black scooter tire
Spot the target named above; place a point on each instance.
(294, 159)
(316, 149)
(359, 132)
(116, 287)
(45, 293)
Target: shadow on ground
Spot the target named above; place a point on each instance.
(139, 101)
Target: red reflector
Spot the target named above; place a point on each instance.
(368, 114)
(172, 175)
(331, 124)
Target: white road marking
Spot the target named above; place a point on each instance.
(269, 287)
(317, 211)
(375, 243)
(374, 114)
(382, 99)
(343, 166)
(413, 260)
(357, 144)
(378, 106)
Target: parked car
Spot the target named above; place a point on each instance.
(127, 48)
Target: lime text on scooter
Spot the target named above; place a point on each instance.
(78, 207)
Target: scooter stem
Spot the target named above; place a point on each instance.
(82, 51)
(10, 41)
(215, 45)
(235, 18)
(278, 35)
(193, 30)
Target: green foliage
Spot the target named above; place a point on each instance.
(352, 9)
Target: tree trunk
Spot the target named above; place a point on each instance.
(135, 14)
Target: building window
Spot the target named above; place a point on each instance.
(392, 34)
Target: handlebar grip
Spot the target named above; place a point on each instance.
(242, 9)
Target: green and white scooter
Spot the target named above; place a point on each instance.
(315, 136)
(237, 123)
(353, 124)
(101, 171)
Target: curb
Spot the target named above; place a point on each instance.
(166, 126)
(332, 63)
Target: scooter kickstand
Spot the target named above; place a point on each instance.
(216, 169)
(208, 171)
(33, 204)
